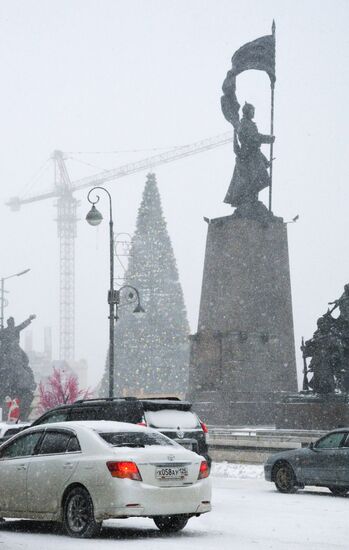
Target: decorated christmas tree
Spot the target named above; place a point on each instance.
(151, 349)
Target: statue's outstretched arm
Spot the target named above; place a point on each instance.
(25, 323)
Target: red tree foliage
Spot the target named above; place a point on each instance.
(60, 389)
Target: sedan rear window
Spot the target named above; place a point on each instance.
(167, 418)
(135, 439)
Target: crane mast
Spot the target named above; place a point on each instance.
(67, 221)
(66, 228)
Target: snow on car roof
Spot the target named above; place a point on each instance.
(97, 425)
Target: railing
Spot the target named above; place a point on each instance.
(254, 444)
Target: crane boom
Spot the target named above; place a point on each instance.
(130, 168)
(66, 205)
(155, 160)
(15, 202)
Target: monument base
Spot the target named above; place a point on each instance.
(242, 358)
(306, 411)
(238, 409)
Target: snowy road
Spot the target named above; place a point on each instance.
(248, 514)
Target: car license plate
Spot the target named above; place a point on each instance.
(171, 472)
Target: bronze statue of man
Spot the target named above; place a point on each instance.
(250, 174)
(322, 349)
(343, 304)
(10, 334)
(15, 372)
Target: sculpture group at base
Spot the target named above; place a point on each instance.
(16, 376)
(328, 370)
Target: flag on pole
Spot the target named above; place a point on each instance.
(258, 55)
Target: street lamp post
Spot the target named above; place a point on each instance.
(94, 217)
(137, 309)
(2, 298)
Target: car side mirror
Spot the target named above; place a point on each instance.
(311, 446)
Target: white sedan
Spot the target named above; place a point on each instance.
(81, 473)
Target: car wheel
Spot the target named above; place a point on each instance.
(170, 524)
(339, 491)
(284, 478)
(78, 514)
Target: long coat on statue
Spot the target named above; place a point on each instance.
(250, 174)
(17, 379)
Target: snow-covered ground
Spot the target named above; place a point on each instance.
(237, 471)
(248, 514)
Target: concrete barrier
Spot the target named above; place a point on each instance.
(254, 445)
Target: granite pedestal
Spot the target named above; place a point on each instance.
(242, 356)
(307, 411)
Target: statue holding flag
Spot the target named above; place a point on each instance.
(250, 173)
(251, 168)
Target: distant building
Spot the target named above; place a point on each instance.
(42, 365)
(40, 361)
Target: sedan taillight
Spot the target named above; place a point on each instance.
(124, 470)
(204, 470)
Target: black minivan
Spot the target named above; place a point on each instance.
(171, 416)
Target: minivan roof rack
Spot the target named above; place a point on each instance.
(172, 398)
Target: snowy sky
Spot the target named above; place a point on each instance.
(112, 75)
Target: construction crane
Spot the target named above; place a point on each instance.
(63, 190)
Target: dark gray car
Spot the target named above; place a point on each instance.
(324, 463)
